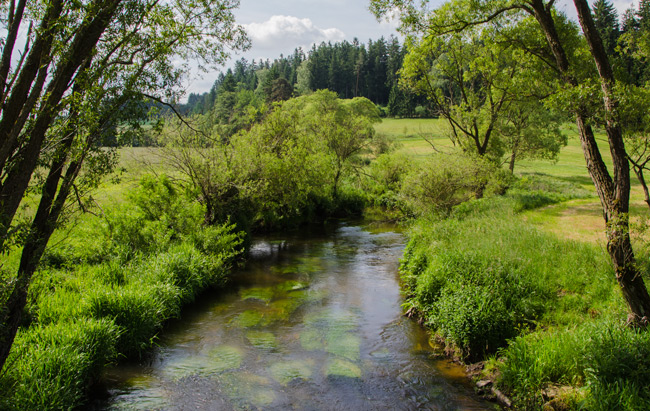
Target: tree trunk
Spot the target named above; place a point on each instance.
(613, 193)
(639, 174)
(617, 209)
(511, 166)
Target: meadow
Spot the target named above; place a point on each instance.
(521, 284)
(518, 281)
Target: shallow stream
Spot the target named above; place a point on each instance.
(313, 322)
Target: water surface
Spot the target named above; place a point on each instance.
(312, 323)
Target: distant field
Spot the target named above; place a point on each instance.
(577, 219)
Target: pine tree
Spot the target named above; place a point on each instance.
(606, 20)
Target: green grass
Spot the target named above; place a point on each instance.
(525, 281)
(104, 291)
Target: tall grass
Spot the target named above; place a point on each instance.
(106, 295)
(546, 311)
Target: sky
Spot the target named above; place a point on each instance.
(280, 26)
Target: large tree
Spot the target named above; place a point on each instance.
(613, 188)
(83, 69)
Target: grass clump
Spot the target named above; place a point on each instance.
(539, 190)
(51, 366)
(607, 361)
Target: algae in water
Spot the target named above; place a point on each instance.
(262, 340)
(285, 372)
(342, 368)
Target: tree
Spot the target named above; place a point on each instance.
(529, 130)
(280, 90)
(613, 189)
(606, 21)
(485, 89)
(346, 126)
(85, 69)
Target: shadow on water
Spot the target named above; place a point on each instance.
(313, 322)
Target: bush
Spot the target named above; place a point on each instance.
(477, 302)
(444, 182)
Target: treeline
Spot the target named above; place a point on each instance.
(626, 39)
(349, 69)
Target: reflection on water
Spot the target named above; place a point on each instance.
(312, 323)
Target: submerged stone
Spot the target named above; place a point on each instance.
(292, 286)
(285, 372)
(262, 340)
(247, 319)
(264, 294)
(342, 368)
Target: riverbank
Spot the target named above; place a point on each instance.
(543, 313)
(103, 294)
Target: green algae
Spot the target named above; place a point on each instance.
(225, 357)
(342, 368)
(246, 390)
(218, 360)
(262, 340)
(247, 319)
(285, 372)
(312, 340)
(264, 294)
(282, 309)
(344, 344)
(333, 332)
(143, 399)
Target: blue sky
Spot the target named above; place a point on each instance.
(279, 26)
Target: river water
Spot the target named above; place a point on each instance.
(313, 322)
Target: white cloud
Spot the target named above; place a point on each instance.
(287, 31)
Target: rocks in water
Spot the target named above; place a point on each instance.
(342, 368)
(285, 372)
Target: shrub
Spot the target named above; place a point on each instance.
(445, 181)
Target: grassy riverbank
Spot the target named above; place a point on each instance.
(522, 284)
(106, 289)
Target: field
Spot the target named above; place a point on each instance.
(579, 219)
(524, 283)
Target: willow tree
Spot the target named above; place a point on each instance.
(83, 70)
(613, 188)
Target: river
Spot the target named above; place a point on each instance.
(312, 322)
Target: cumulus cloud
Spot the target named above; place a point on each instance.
(288, 31)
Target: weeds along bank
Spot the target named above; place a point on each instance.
(545, 314)
(104, 293)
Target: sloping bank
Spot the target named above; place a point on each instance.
(105, 293)
(543, 315)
